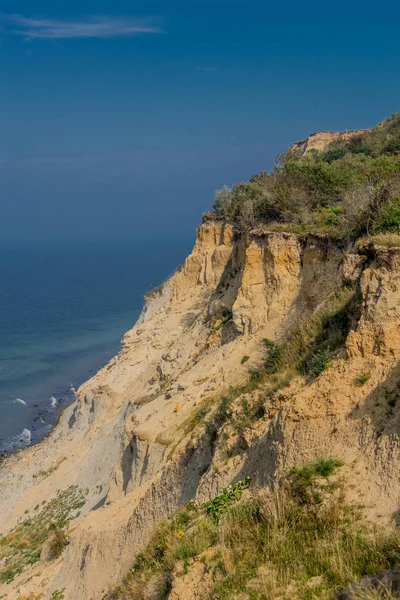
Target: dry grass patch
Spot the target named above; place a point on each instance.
(389, 240)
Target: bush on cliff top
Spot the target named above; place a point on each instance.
(352, 189)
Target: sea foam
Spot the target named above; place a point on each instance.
(19, 401)
(26, 437)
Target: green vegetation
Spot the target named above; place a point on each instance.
(303, 480)
(217, 507)
(23, 545)
(308, 350)
(199, 416)
(350, 190)
(311, 541)
(57, 595)
(362, 379)
(45, 473)
(245, 359)
(318, 362)
(59, 541)
(226, 317)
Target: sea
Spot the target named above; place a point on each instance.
(64, 307)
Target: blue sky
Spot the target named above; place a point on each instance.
(120, 119)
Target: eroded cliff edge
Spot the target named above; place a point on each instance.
(131, 440)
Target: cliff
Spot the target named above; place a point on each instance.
(322, 139)
(133, 445)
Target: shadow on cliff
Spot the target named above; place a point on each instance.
(262, 456)
(382, 405)
(226, 290)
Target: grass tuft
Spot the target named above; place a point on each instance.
(362, 379)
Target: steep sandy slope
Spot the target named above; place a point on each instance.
(128, 439)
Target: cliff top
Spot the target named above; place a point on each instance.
(343, 183)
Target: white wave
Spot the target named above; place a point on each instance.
(19, 401)
(26, 437)
(53, 402)
(20, 441)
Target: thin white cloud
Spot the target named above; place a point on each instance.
(89, 27)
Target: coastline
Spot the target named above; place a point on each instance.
(45, 414)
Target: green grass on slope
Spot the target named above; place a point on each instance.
(23, 545)
(267, 543)
(308, 350)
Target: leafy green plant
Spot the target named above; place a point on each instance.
(334, 154)
(245, 359)
(57, 595)
(221, 503)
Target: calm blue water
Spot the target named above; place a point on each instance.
(63, 310)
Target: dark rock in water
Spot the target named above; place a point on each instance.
(36, 405)
(386, 583)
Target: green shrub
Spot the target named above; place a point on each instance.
(393, 146)
(332, 215)
(59, 541)
(334, 154)
(317, 191)
(222, 503)
(319, 361)
(362, 379)
(302, 479)
(255, 375)
(388, 219)
(274, 355)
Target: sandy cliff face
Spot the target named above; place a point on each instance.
(128, 439)
(321, 140)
